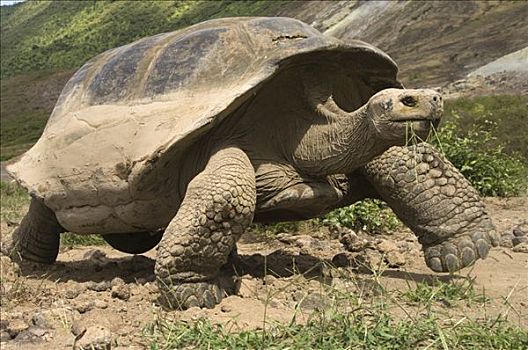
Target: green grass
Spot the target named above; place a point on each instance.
(373, 329)
(13, 200)
(371, 216)
(358, 321)
(445, 292)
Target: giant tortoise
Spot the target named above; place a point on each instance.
(186, 138)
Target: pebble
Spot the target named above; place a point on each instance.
(84, 306)
(121, 291)
(385, 246)
(521, 230)
(521, 248)
(77, 329)
(42, 319)
(95, 338)
(32, 334)
(395, 259)
(99, 287)
(519, 239)
(4, 336)
(16, 326)
(100, 304)
(117, 281)
(73, 292)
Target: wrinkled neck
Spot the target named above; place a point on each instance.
(345, 142)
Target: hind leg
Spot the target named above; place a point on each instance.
(37, 238)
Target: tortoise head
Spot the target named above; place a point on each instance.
(397, 113)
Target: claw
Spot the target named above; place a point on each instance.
(186, 295)
(459, 252)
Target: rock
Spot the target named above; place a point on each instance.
(385, 246)
(95, 255)
(84, 306)
(521, 230)
(32, 334)
(95, 338)
(506, 240)
(315, 301)
(521, 248)
(16, 326)
(99, 287)
(368, 261)
(344, 259)
(10, 270)
(73, 292)
(100, 304)
(395, 259)
(117, 281)
(42, 319)
(519, 239)
(78, 329)
(121, 291)
(4, 336)
(249, 287)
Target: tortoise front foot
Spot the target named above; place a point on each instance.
(437, 203)
(217, 208)
(182, 296)
(459, 252)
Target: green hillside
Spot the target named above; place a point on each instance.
(51, 35)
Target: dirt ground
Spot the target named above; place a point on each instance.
(115, 295)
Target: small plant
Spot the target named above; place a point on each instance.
(13, 199)
(447, 292)
(71, 240)
(482, 160)
(371, 215)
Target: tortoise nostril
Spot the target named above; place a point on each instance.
(435, 98)
(408, 101)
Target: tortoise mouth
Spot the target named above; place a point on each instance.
(420, 121)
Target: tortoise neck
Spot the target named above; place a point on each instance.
(344, 143)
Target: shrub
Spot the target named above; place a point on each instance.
(481, 158)
(371, 215)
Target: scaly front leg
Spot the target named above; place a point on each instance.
(436, 202)
(218, 206)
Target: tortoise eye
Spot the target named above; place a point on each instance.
(408, 101)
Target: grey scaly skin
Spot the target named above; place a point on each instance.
(217, 209)
(37, 237)
(436, 202)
